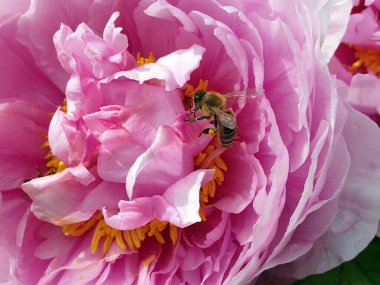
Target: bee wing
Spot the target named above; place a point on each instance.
(246, 93)
(227, 120)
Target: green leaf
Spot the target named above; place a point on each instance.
(363, 270)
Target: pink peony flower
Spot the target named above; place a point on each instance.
(357, 61)
(116, 187)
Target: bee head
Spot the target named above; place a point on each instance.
(198, 97)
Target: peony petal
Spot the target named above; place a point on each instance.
(356, 222)
(115, 159)
(362, 94)
(37, 36)
(362, 29)
(17, 66)
(11, 9)
(57, 138)
(179, 205)
(333, 17)
(20, 152)
(174, 69)
(57, 198)
(166, 161)
(243, 178)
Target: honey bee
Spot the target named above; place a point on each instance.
(212, 103)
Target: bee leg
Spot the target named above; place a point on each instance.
(196, 119)
(208, 131)
(211, 131)
(194, 110)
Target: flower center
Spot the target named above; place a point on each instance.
(124, 238)
(131, 238)
(367, 59)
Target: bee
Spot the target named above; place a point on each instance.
(213, 103)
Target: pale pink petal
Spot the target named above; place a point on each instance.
(363, 94)
(361, 28)
(333, 19)
(206, 234)
(89, 55)
(243, 178)
(152, 108)
(57, 198)
(173, 69)
(356, 221)
(288, 97)
(179, 205)
(71, 141)
(57, 138)
(115, 159)
(164, 162)
(106, 194)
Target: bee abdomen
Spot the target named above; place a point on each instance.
(227, 136)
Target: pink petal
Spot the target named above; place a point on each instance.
(362, 94)
(37, 36)
(57, 198)
(174, 69)
(115, 160)
(21, 127)
(242, 179)
(17, 66)
(179, 205)
(11, 9)
(167, 160)
(153, 107)
(361, 29)
(356, 222)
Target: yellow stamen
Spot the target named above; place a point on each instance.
(200, 158)
(207, 160)
(123, 238)
(149, 260)
(143, 60)
(135, 239)
(368, 59)
(202, 213)
(173, 233)
(159, 237)
(107, 243)
(45, 145)
(120, 241)
(128, 238)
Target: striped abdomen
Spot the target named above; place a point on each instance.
(226, 135)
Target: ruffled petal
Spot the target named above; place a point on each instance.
(173, 69)
(57, 198)
(179, 205)
(163, 163)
